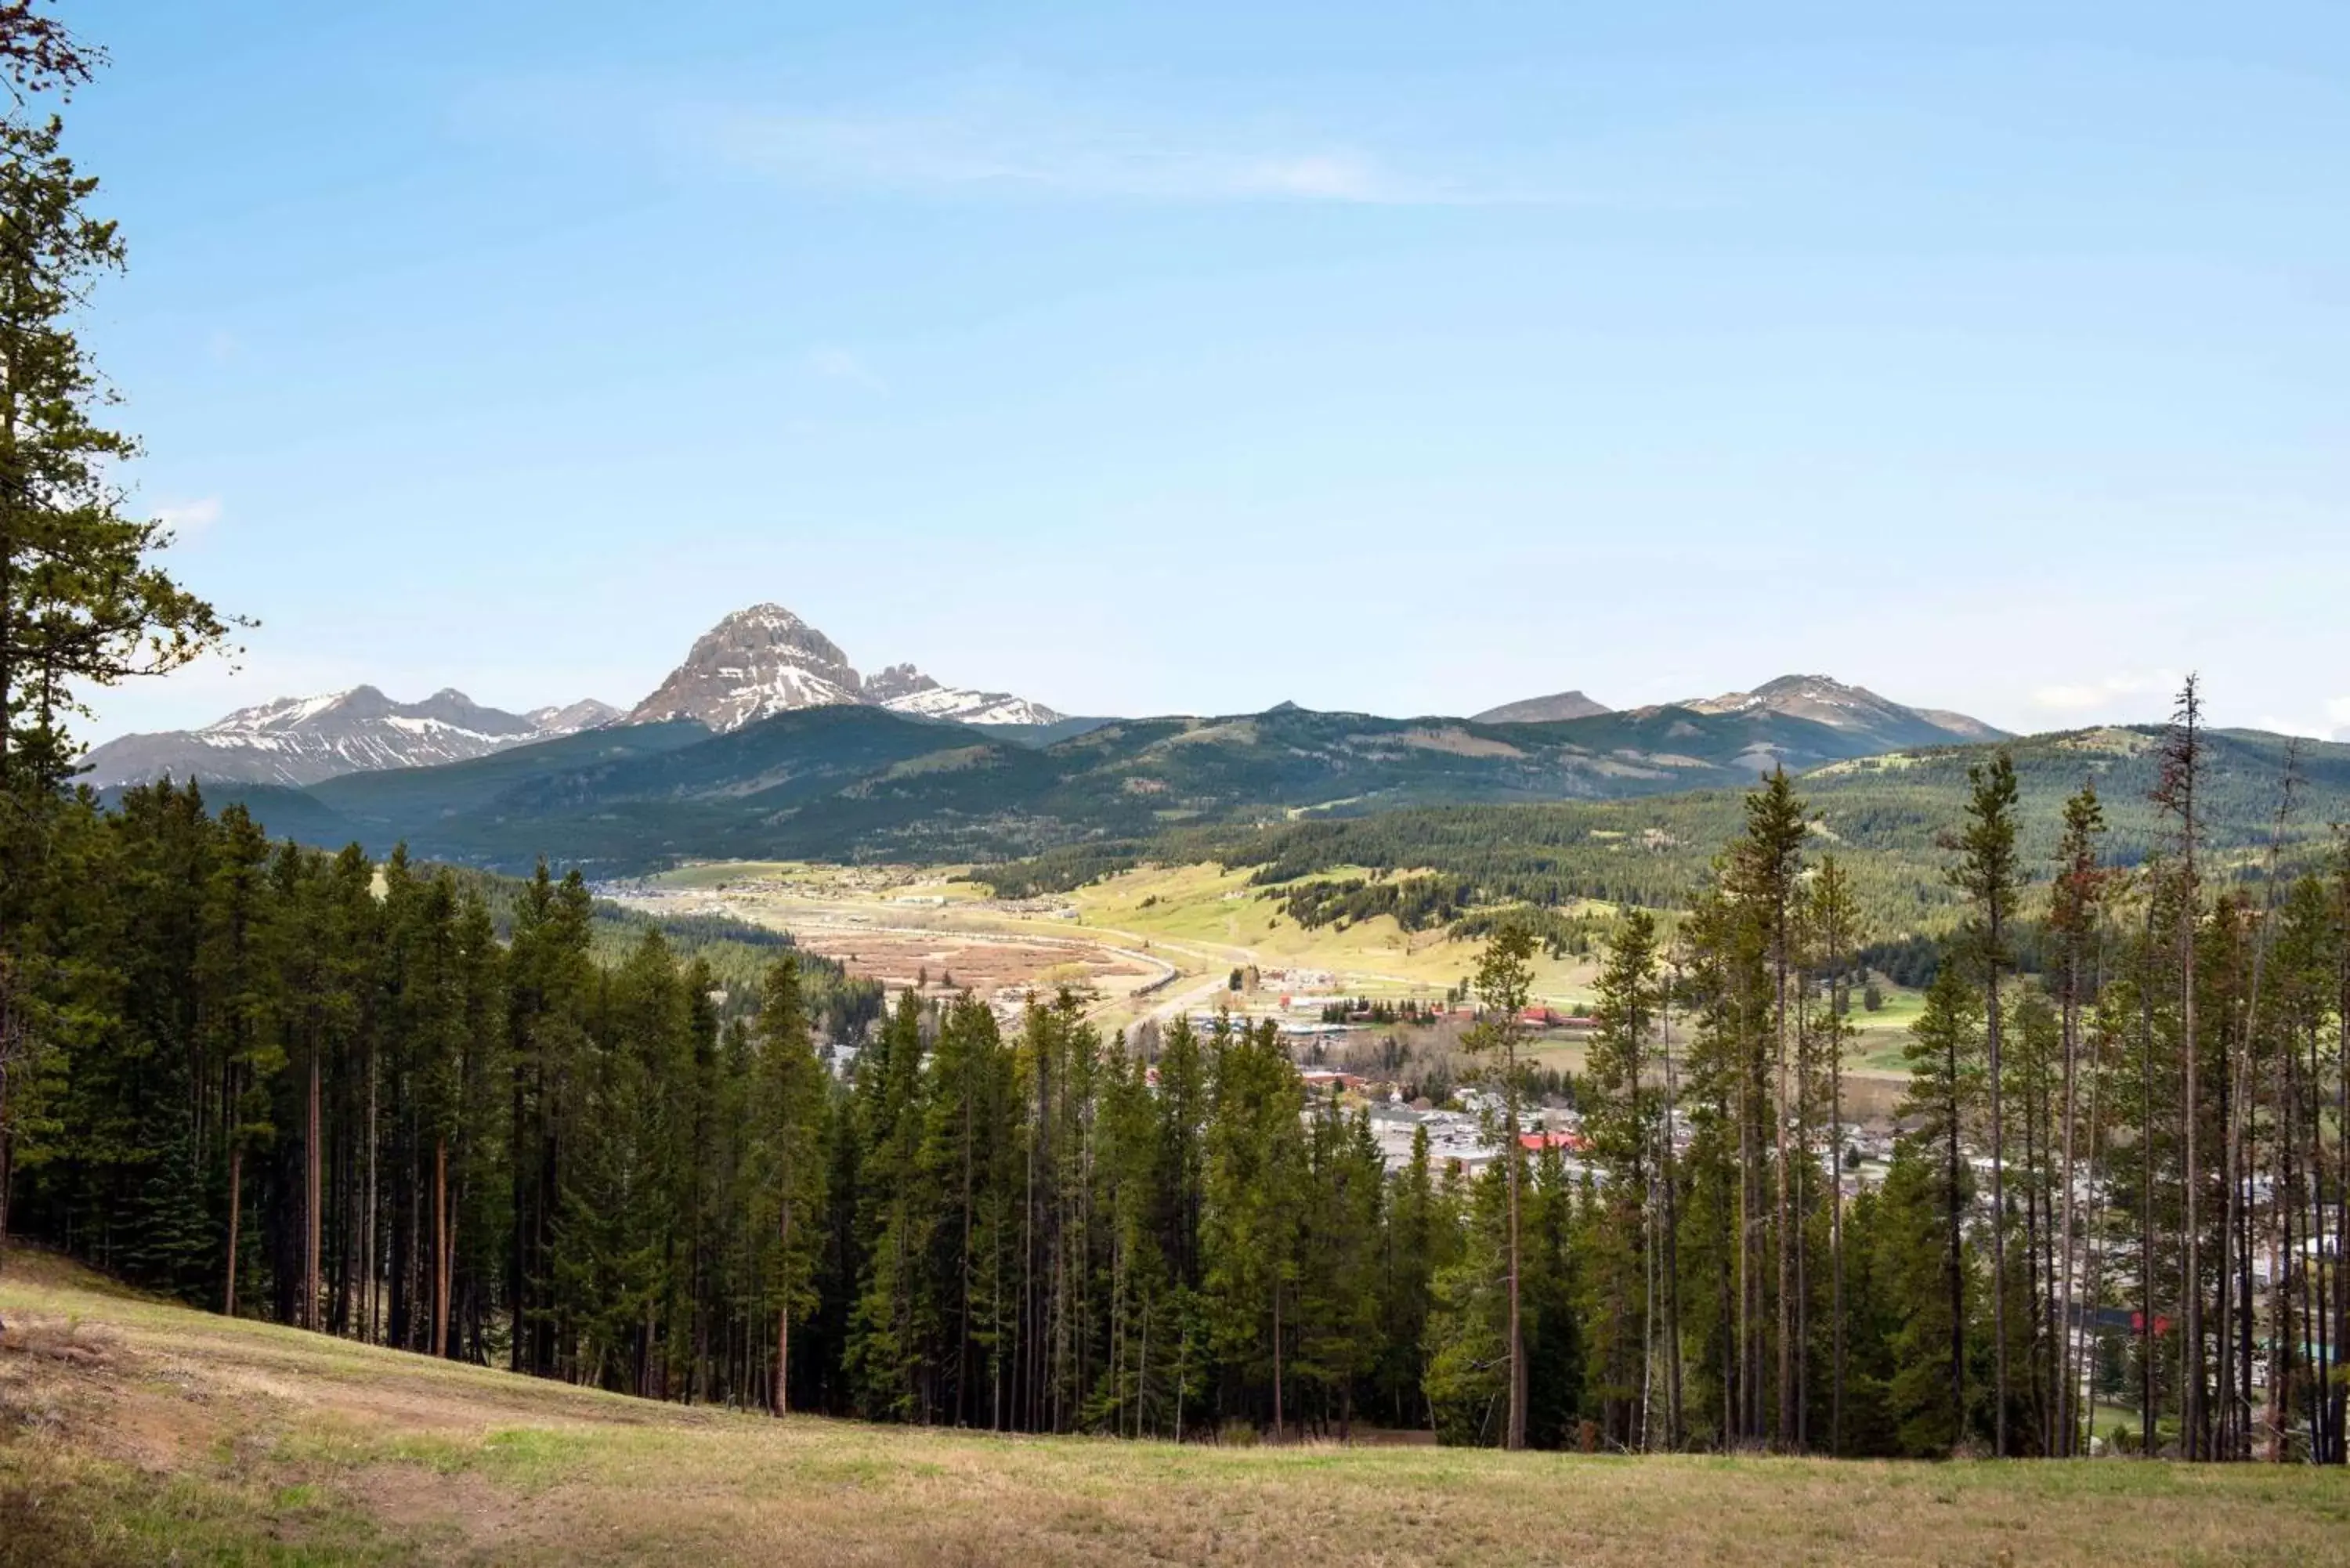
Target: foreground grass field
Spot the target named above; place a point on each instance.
(132, 1432)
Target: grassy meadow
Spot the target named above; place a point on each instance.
(137, 1432)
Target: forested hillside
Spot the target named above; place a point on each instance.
(1886, 817)
(851, 783)
(327, 1092)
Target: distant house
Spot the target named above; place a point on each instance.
(1571, 1142)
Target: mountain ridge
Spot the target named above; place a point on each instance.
(299, 740)
(858, 781)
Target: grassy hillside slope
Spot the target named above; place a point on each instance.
(132, 1432)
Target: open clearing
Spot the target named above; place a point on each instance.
(1201, 921)
(1124, 935)
(132, 1432)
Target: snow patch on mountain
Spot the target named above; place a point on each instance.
(962, 706)
(765, 661)
(298, 740)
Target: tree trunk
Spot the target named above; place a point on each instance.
(7, 1138)
(441, 1247)
(2145, 1196)
(1516, 1437)
(784, 1319)
(1836, 1222)
(369, 1293)
(1998, 1198)
(2066, 1424)
(1953, 1267)
(311, 1219)
(1786, 1238)
(1672, 1261)
(2191, 1268)
(1277, 1412)
(236, 1194)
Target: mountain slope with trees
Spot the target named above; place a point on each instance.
(845, 781)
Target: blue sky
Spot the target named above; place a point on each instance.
(1147, 358)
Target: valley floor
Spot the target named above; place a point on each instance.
(133, 1432)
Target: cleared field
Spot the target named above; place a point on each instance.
(1122, 933)
(1207, 903)
(132, 1432)
(981, 962)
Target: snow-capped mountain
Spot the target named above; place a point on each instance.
(961, 705)
(301, 740)
(765, 660)
(903, 689)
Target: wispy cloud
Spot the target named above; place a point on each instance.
(2092, 694)
(189, 519)
(837, 364)
(994, 134)
(1012, 146)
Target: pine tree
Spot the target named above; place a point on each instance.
(1468, 1348)
(1415, 1238)
(2174, 795)
(82, 604)
(894, 1216)
(239, 1010)
(1621, 1121)
(787, 1111)
(1504, 982)
(1255, 1159)
(1770, 863)
(2076, 915)
(1987, 873)
(1831, 920)
(1945, 1083)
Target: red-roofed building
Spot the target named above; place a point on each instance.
(1535, 1142)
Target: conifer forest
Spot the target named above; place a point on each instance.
(399, 1100)
(276, 1082)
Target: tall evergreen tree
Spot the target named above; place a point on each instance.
(787, 1111)
(1946, 1079)
(1988, 874)
(1504, 983)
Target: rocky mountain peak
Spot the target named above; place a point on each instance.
(1824, 700)
(756, 662)
(897, 681)
(571, 718)
(1543, 709)
(765, 661)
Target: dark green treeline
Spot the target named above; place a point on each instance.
(330, 1093)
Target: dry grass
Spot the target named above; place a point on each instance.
(132, 1432)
